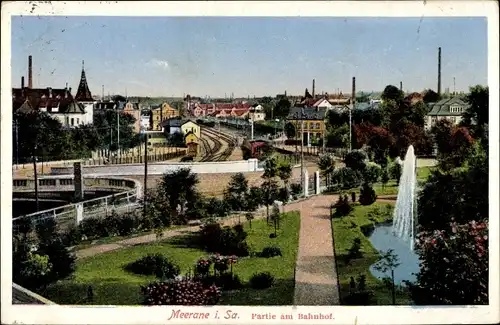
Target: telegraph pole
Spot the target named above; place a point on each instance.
(145, 171)
(118, 129)
(36, 178)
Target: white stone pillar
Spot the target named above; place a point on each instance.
(317, 185)
(305, 184)
(79, 213)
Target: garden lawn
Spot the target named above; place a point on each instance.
(112, 285)
(345, 230)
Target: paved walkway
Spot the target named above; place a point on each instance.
(316, 274)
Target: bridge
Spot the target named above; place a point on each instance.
(126, 197)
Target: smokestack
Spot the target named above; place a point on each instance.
(22, 82)
(314, 88)
(439, 71)
(30, 72)
(401, 85)
(353, 91)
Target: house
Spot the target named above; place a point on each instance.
(414, 98)
(256, 113)
(190, 126)
(323, 103)
(172, 125)
(309, 123)
(84, 97)
(58, 103)
(145, 122)
(156, 138)
(133, 110)
(158, 115)
(222, 110)
(450, 109)
(192, 144)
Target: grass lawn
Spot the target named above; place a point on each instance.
(114, 286)
(344, 233)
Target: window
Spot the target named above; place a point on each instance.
(72, 121)
(77, 121)
(317, 126)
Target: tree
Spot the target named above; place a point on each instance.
(458, 195)
(355, 160)
(338, 137)
(371, 173)
(384, 177)
(215, 208)
(430, 96)
(282, 108)
(270, 192)
(392, 93)
(236, 192)
(478, 112)
(178, 190)
(453, 265)
(396, 171)
(176, 139)
(290, 131)
(326, 164)
(388, 261)
(367, 195)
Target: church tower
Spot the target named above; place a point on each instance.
(84, 97)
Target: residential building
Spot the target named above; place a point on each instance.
(190, 126)
(145, 119)
(84, 97)
(159, 114)
(256, 113)
(58, 103)
(450, 109)
(133, 110)
(156, 138)
(222, 110)
(309, 123)
(172, 125)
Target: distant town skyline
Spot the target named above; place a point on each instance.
(248, 56)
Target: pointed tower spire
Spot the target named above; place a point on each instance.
(83, 93)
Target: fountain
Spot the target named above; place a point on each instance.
(406, 208)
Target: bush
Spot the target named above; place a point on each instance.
(355, 250)
(73, 236)
(270, 251)
(202, 267)
(226, 240)
(226, 281)
(261, 280)
(396, 171)
(342, 206)
(367, 195)
(371, 173)
(346, 177)
(359, 295)
(180, 292)
(186, 158)
(127, 224)
(296, 189)
(154, 264)
(355, 160)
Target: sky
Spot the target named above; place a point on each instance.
(248, 56)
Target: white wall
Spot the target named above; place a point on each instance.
(89, 113)
(240, 166)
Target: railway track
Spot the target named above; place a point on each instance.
(214, 153)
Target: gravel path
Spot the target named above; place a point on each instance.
(316, 275)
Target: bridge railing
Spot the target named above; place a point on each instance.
(53, 183)
(73, 214)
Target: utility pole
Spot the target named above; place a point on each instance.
(302, 148)
(36, 178)
(145, 172)
(118, 130)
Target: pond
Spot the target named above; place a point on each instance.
(383, 239)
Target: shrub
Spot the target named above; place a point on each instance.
(127, 224)
(261, 280)
(202, 266)
(270, 251)
(342, 206)
(186, 158)
(346, 177)
(359, 295)
(367, 195)
(284, 194)
(226, 240)
(371, 173)
(73, 236)
(355, 160)
(154, 264)
(226, 281)
(396, 171)
(355, 249)
(296, 189)
(180, 292)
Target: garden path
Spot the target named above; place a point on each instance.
(316, 281)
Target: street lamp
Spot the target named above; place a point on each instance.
(301, 116)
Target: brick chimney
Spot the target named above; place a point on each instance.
(30, 72)
(22, 82)
(353, 91)
(439, 71)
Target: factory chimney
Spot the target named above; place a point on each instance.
(22, 82)
(353, 91)
(401, 85)
(30, 72)
(314, 88)
(439, 72)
